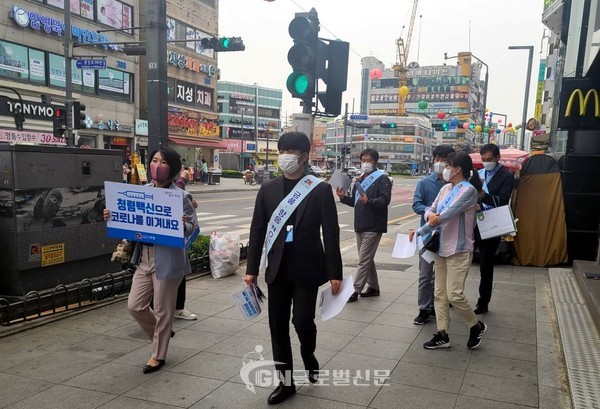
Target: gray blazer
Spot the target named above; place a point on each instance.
(172, 262)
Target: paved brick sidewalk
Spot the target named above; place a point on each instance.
(94, 359)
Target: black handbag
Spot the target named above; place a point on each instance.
(433, 244)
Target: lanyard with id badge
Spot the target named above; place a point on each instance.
(289, 235)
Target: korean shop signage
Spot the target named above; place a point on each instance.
(49, 25)
(189, 63)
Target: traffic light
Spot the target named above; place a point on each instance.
(59, 122)
(304, 30)
(78, 115)
(390, 125)
(334, 56)
(19, 117)
(222, 44)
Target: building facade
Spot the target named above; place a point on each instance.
(32, 62)
(456, 91)
(249, 116)
(402, 142)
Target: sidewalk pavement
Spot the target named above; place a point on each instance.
(225, 185)
(95, 359)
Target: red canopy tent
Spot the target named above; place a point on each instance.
(511, 158)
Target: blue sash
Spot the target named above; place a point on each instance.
(283, 212)
(366, 184)
(444, 205)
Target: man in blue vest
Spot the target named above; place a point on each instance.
(370, 198)
(498, 184)
(425, 193)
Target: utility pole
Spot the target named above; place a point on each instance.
(67, 45)
(156, 51)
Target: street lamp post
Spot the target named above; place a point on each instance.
(256, 118)
(529, 48)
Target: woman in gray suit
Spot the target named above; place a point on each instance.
(160, 269)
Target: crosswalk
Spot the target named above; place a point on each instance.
(235, 224)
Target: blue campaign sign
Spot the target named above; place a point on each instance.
(91, 64)
(146, 214)
(359, 117)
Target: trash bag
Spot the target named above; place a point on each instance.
(224, 254)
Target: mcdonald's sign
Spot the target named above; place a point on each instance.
(579, 104)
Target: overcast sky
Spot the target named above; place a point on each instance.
(371, 28)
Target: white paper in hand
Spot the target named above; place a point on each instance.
(428, 256)
(341, 180)
(332, 305)
(403, 247)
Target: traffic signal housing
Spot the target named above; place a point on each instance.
(19, 117)
(332, 66)
(388, 125)
(59, 122)
(222, 44)
(78, 115)
(302, 56)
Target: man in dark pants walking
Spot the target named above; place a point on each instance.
(498, 184)
(293, 209)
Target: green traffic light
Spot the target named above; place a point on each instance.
(225, 42)
(392, 125)
(299, 84)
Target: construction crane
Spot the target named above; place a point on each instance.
(401, 66)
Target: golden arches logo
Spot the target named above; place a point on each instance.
(583, 102)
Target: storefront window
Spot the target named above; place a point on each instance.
(114, 83)
(14, 62)
(113, 13)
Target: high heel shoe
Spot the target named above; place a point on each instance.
(149, 368)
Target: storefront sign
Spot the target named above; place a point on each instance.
(241, 96)
(119, 141)
(189, 63)
(141, 127)
(41, 22)
(186, 93)
(579, 104)
(37, 138)
(192, 124)
(31, 110)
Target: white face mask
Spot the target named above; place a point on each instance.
(366, 167)
(447, 174)
(439, 167)
(288, 163)
(489, 165)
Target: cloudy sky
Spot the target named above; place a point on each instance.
(371, 28)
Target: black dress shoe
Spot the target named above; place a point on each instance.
(353, 297)
(312, 366)
(371, 292)
(149, 368)
(480, 309)
(281, 393)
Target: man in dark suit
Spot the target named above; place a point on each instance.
(497, 190)
(298, 261)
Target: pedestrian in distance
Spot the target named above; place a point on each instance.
(498, 184)
(159, 269)
(204, 171)
(370, 197)
(425, 193)
(294, 209)
(452, 215)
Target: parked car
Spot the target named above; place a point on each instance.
(318, 171)
(351, 171)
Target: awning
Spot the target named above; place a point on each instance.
(198, 143)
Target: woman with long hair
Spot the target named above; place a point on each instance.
(160, 269)
(452, 217)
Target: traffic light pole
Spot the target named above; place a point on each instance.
(156, 50)
(345, 135)
(68, 74)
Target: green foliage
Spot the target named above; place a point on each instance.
(200, 246)
(231, 174)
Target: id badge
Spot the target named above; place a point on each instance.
(289, 236)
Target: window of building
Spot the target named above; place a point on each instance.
(113, 13)
(548, 72)
(114, 83)
(210, 3)
(178, 30)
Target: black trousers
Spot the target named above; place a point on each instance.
(285, 296)
(487, 254)
(180, 304)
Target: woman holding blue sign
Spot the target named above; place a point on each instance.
(160, 269)
(452, 216)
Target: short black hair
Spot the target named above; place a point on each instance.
(490, 147)
(442, 151)
(372, 153)
(294, 141)
(172, 158)
(465, 162)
